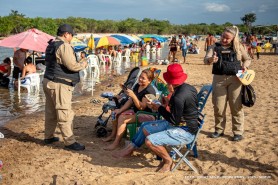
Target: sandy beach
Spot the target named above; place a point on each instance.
(221, 161)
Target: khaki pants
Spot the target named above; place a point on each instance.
(227, 89)
(58, 111)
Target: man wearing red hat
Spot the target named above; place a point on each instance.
(171, 131)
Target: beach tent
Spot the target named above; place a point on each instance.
(32, 39)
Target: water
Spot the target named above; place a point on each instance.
(13, 105)
(5, 52)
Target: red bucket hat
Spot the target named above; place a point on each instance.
(174, 74)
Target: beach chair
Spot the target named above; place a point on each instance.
(192, 147)
(34, 83)
(202, 97)
(94, 67)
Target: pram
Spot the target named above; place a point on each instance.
(115, 102)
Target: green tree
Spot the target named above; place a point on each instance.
(248, 19)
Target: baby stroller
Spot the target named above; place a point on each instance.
(115, 102)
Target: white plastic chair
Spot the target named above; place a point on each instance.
(117, 60)
(126, 58)
(34, 83)
(94, 67)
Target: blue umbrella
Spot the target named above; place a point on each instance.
(124, 39)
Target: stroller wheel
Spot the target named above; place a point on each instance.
(101, 131)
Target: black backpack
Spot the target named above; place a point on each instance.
(248, 95)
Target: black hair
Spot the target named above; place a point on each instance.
(28, 60)
(7, 60)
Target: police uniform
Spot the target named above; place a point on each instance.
(61, 75)
(227, 87)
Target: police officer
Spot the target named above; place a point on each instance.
(227, 58)
(61, 75)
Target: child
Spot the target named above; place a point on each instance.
(258, 50)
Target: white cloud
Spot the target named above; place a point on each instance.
(263, 8)
(214, 7)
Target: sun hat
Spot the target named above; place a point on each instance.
(174, 74)
(65, 28)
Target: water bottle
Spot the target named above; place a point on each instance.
(173, 154)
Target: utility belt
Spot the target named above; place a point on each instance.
(59, 80)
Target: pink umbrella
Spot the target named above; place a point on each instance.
(32, 39)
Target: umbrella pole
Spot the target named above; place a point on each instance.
(33, 58)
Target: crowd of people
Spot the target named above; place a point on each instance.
(179, 109)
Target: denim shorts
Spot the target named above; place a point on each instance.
(184, 51)
(162, 133)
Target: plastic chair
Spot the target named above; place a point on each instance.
(94, 67)
(34, 82)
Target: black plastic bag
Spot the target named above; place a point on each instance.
(248, 95)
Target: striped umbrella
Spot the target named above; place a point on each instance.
(124, 39)
(106, 41)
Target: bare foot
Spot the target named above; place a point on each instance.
(159, 166)
(107, 139)
(110, 147)
(166, 167)
(126, 152)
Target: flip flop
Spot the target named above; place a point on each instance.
(1, 135)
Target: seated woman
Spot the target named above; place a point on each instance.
(5, 71)
(137, 100)
(29, 68)
(139, 139)
(182, 111)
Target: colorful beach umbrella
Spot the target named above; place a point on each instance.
(106, 41)
(154, 36)
(91, 43)
(32, 39)
(136, 37)
(124, 39)
(78, 45)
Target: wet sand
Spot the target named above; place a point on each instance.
(221, 161)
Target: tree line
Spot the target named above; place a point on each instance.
(17, 22)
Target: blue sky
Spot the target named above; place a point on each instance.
(175, 11)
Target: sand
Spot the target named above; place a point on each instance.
(221, 161)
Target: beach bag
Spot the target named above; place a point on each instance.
(248, 95)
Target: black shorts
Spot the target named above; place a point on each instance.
(174, 49)
(16, 72)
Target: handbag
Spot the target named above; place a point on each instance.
(248, 95)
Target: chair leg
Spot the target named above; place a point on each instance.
(195, 151)
(132, 130)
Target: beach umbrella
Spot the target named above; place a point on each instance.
(154, 36)
(106, 41)
(77, 44)
(32, 39)
(124, 39)
(136, 37)
(91, 43)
